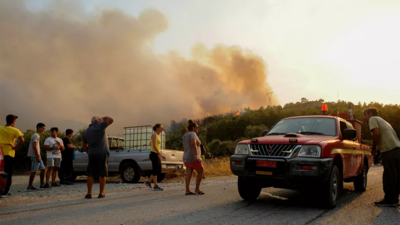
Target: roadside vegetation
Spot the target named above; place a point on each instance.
(220, 133)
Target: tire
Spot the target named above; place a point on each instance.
(248, 190)
(331, 190)
(130, 173)
(360, 181)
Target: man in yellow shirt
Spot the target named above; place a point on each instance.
(385, 139)
(8, 135)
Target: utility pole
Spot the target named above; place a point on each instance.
(269, 97)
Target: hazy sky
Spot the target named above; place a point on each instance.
(313, 48)
(308, 48)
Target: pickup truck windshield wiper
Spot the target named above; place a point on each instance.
(311, 133)
(276, 134)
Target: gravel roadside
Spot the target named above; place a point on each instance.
(20, 196)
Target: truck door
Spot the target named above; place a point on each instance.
(357, 155)
(347, 148)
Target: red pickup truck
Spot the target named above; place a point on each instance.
(304, 153)
(3, 175)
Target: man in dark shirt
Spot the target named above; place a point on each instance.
(96, 146)
(67, 163)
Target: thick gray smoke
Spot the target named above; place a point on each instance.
(61, 68)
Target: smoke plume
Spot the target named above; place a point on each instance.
(60, 64)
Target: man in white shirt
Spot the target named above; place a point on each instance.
(36, 159)
(53, 145)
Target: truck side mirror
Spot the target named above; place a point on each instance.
(263, 133)
(349, 134)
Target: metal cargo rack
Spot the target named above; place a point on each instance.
(138, 137)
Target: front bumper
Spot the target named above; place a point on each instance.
(288, 171)
(166, 168)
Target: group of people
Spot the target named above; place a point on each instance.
(60, 153)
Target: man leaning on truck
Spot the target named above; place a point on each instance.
(96, 146)
(385, 139)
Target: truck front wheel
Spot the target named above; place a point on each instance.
(332, 188)
(360, 181)
(248, 190)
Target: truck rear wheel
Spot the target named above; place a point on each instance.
(248, 190)
(332, 188)
(360, 181)
(130, 173)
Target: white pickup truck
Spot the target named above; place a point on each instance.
(129, 156)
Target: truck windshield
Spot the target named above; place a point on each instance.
(306, 126)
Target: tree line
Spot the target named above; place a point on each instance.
(221, 133)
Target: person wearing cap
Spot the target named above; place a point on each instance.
(8, 135)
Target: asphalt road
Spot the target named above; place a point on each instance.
(220, 205)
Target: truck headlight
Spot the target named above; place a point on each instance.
(311, 151)
(242, 149)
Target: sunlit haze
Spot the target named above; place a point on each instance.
(347, 50)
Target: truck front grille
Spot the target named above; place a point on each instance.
(272, 150)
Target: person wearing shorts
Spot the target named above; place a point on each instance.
(8, 135)
(53, 145)
(36, 160)
(155, 157)
(192, 157)
(96, 146)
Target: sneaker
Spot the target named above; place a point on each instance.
(4, 195)
(55, 184)
(45, 186)
(31, 188)
(157, 188)
(148, 184)
(386, 203)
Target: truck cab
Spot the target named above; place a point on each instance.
(304, 153)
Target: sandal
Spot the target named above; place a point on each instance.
(190, 193)
(88, 196)
(200, 193)
(101, 196)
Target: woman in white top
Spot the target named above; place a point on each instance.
(192, 157)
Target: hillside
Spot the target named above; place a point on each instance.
(220, 133)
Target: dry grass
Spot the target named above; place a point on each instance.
(218, 167)
(213, 167)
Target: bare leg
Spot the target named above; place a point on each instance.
(89, 183)
(189, 172)
(54, 175)
(31, 178)
(102, 181)
(48, 172)
(150, 179)
(42, 173)
(154, 179)
(199, 171)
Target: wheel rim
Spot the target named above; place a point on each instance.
(129, 173)
(334, 187)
